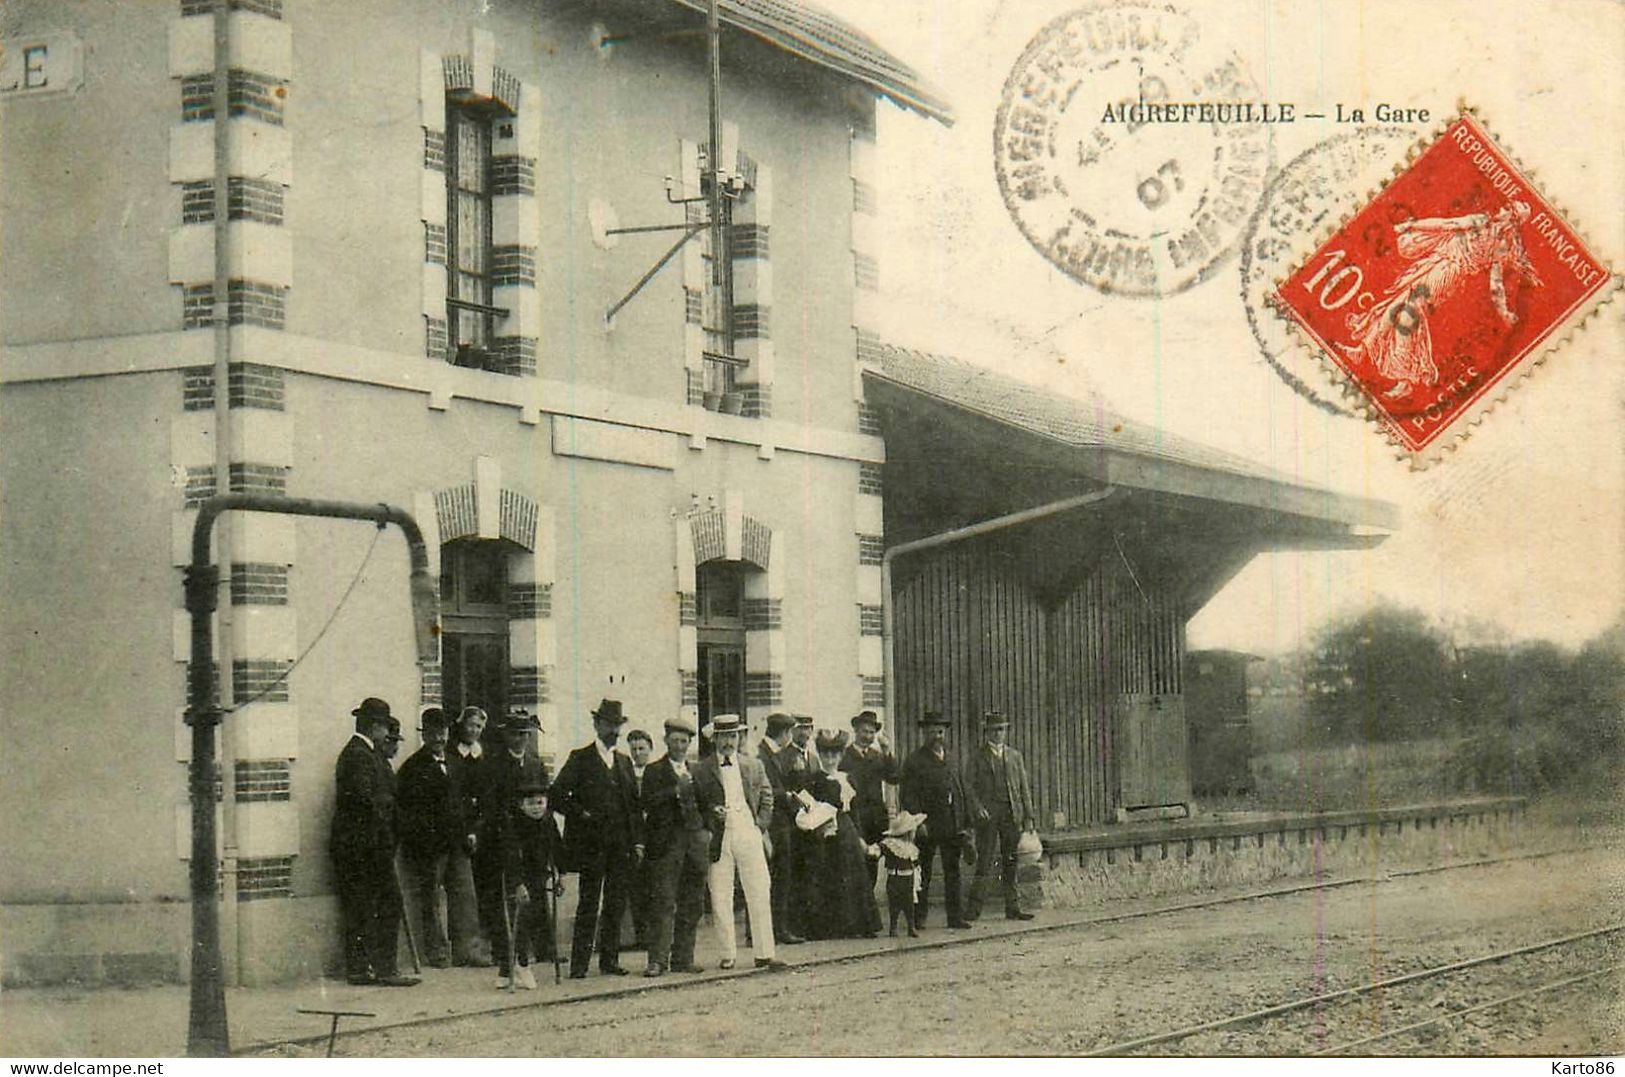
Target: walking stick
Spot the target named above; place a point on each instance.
(406, 921)
(558, 892)
(508, 926)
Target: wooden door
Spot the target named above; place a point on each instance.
(1153, 763)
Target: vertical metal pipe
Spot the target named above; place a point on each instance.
(207, 1033)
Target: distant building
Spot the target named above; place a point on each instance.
(1216, 705)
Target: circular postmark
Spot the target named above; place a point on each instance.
(1313, 193)
(1124, 203)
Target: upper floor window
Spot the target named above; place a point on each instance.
(470, 313)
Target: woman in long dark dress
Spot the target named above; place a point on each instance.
(840, 902)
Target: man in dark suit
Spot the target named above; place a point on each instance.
(596, 794)
(640, 746)
(779, 761)
(932, 785)
(998, 777)
(869, 764)
(362, 845)
(426, 811)
(678, 853)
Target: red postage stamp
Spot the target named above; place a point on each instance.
(1431, 296)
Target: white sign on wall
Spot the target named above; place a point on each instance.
(41, 64)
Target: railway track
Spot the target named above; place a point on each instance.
(657, 999)
(1275, 1036)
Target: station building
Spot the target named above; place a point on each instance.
(402, 295)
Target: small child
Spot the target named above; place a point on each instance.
(902, 859)
(528, 872)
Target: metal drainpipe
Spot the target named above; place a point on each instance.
(998, 523)
(208, 1030)
(222, 471)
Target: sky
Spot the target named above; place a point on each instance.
(1520, 528)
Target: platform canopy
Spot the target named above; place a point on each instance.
(965, 443)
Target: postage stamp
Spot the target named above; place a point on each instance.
(1315, 190)
(1435, 294)
(1130, 149)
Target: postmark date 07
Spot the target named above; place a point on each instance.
(1583, 1069)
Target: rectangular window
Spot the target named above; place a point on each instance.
(470, 314)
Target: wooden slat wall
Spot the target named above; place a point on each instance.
(970, 637)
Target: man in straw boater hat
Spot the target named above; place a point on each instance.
(362, 846)
(998, 777)
(737, 801)
(678, 853)
(932, 786)
(597, 795)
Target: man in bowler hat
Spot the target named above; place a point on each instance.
(428, 810)
(678, 853)
(362, 846)
(597, 795)
(932, 786)
(998, 777)
(869, 764)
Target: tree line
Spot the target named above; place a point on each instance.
(1528, 715)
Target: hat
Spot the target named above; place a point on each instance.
(725, 723)
(932, 717)
(994, 720)
(532, 778)
(519, 720)
(904, 823)
(866, 718)
(682, 723)
(609, 710)
(372, 709)
(431, 718)
(803, 719)
(816, 816)
(778, 722)
(832, 740)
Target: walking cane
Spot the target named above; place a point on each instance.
(558, 892)
(508, 925)
(406, 922)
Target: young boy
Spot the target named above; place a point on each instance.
(524, 836)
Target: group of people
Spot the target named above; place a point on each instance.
(802, 828)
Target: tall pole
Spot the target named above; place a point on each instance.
(720, 277)
(207, 1033)
(713, 42)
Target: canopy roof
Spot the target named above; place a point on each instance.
(1089, 437)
